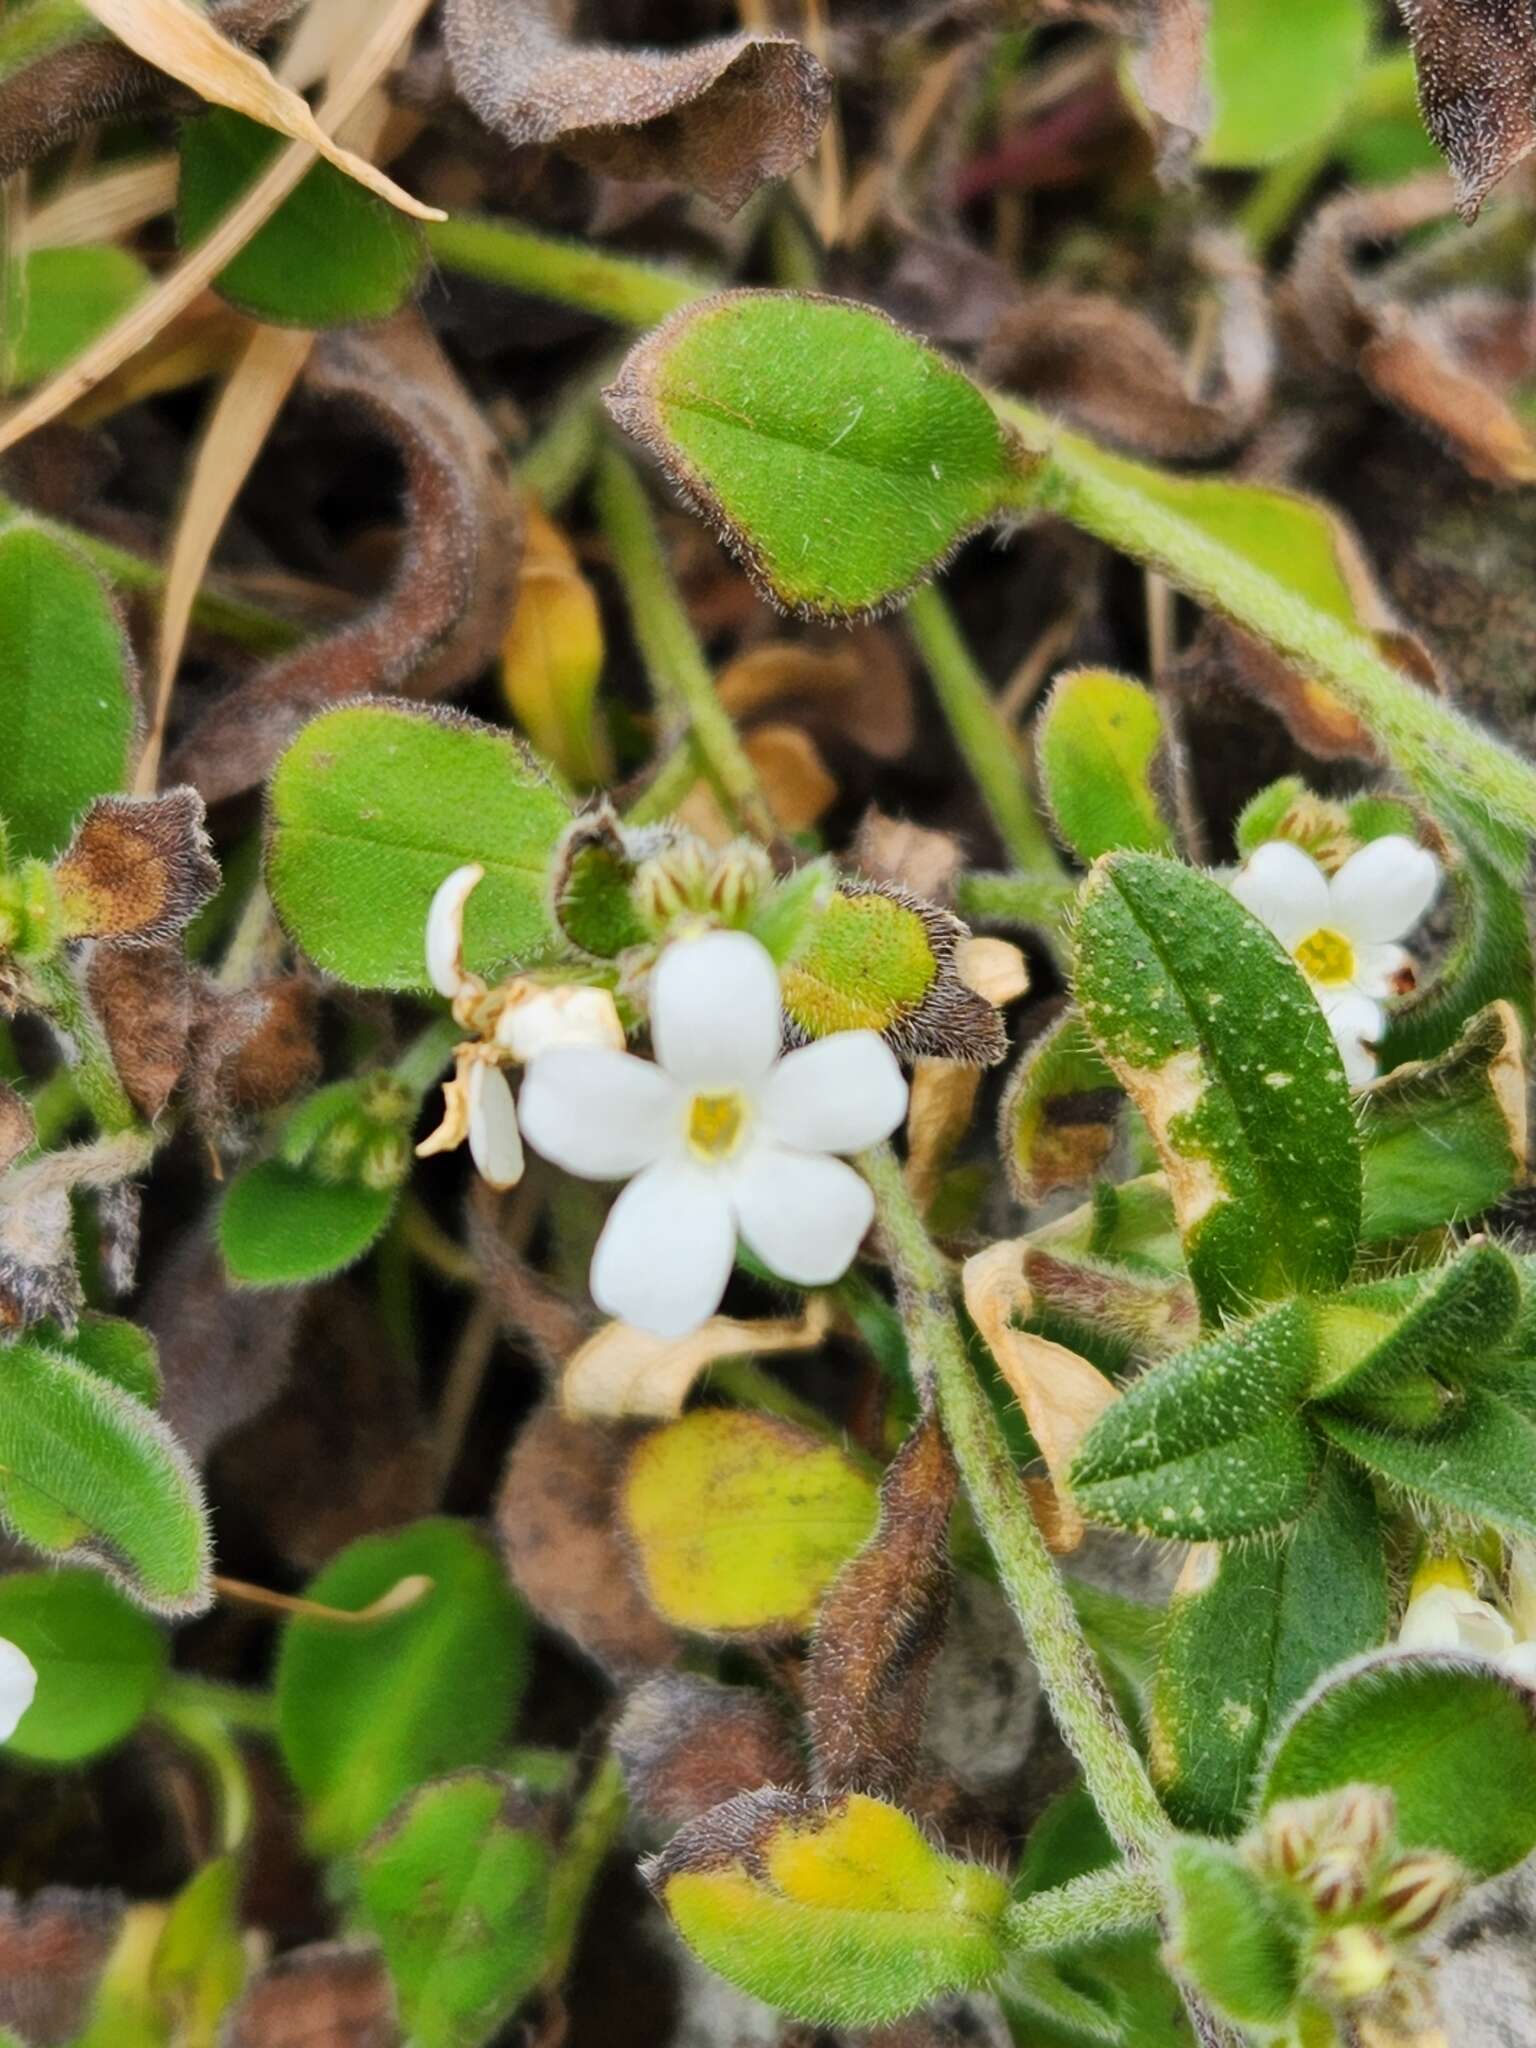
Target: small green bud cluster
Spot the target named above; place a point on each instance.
(689, 878)
(31, 925)
(356, 1133)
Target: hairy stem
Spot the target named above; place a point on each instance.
(92, 1067)
(614, 288)
(1033, 902)
(983, 735)
(1089, 1721)
(1100, 1903)
(679, 673)
(594, 1831)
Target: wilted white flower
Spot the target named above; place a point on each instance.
(511, 1022)
(1444, 1616)
(1343, 931)
(18, 1687)
(719, 1137)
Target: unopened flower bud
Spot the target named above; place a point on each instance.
(386, 1160)
(338, 1150)
(1417, 1890)
(672, 883)
(385, 1099)
(1364, 1817)
(1352, 1964)
(742, 873)
(1338, 1881)
(1290, 1837)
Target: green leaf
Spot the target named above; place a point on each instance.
(99, 1662)
(1448, 1330)
(835, 454)
(1489, 962)
(1443, 1139)
(741, 1521)
(1275, 93)
(455, 1885)
(88, 1473)
(366, 1712)
(1222, 1047)
(112, 1348)
(1246, 1644)
(1228, 1938)
(330, 255)
(59, 300)
(1060, 1112)
(373, 806)
(1453, 1739)
(838, 1912)
(1481, 1462)
(1210, 1445)
(199, 1964)
(1098, 743)
(66, 696)
(281, 1225)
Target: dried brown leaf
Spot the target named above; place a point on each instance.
(224, 1351)
(252, 1049)
(53, 1947)
(1062, 1395)
(856, 690)
(1408, 356)
(687, 1743)
(38, 1277)
(914, 857)
(143, 999)
(138, 869)
(329, 1995)
(1476, 61)
(940, 1106)
(1155, 1313)
(444, 615)
(1061, 1139)
(1168, 39)
(623, 1372)
(564, 1551)
(794, 778)
(882, 1625)
(719, 117)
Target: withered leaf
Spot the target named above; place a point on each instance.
(330, 1995)
(563, 1548)
(64, 91)
(52, 1950)
(224, 1350)
(914, 857)
(1168, 39)
(719, 117)
(687, 1743)
(882, 1625)
(251, 1049)
(442, 618)
(621, 1371)
(138, 869)
(142, 996)
(855, 688)
(1476, 61)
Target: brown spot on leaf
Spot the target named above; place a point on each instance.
(138, 869)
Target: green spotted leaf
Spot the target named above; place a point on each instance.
(1099, 742)
(1376, 1347)
(1216, 1038)
(1480, 1462)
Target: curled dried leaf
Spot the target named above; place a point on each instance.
(1476, 61)
(444, 615)
(686, 1744)
(854, 689)
(626, 1372)
(720, 116)
(143, 1000)
(1407, 356)
(882, 1625)
(1168, 40)
(329, 1995)
(138, 869)
(915, 857)
(53, 1947)
(1062, 1395)
(38, 1277)
(224, 1351)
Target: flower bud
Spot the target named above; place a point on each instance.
(672, 883)
(338, 1150)
(1290, 1836)
(1337, 1882)
(1364, 1817)
(386, 1160)
(742, 873)
(1352, 1964)
(1417, 1890)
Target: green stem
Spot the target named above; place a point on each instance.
(564, 452)
(232, 618)
(679, 673)
(92, 1069)
(203, 1729)
(1033, 902)
(1089, 1908)
(595, 1828)
(254, 1713)
(1087, 1717)
(679, 771)
(614, 288)
(427, 1055)
(55, 1106)
(991, 748)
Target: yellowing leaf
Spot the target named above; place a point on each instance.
(624, 1371)
(740, 1521)
(552, 654)
(176, 39)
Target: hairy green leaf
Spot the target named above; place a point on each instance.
(281, 1225)
(1098, 742)
(58, 300)
(99, 1663)
(1274, 94)
(1227, 1936)
(1480, 1462)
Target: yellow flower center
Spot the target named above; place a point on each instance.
(715, 1125)
(1326, 956)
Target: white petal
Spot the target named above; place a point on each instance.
(1520, 1662)
(1382, 891)
(601, 1114)
(802, 1213)
(1377, 968)
(1441, 1618)
(1284, 888)
(1357, 1025)
(18, 1687)
(666, 1250)
(715, 1010)
(445, 929)
(839, 1095)
(494, 1143)
(550, 1017)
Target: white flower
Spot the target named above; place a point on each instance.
(512, 1022)
(720, 1137)
(1343, 931)
(1451, 1617)
(18, 1687)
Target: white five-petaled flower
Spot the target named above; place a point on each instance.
(513, 1022)
(1343, 930)
(1452, 1617)
(18, 1687)
(720, 1137)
